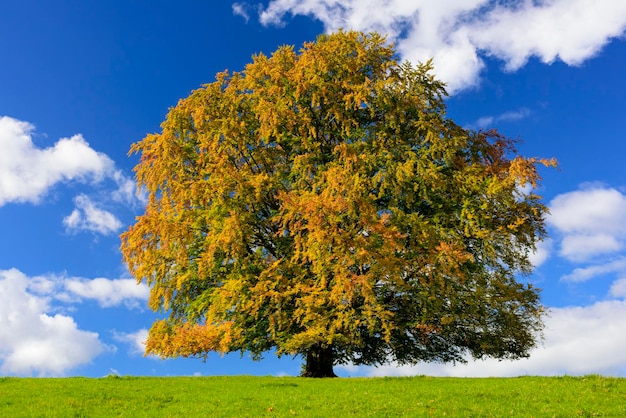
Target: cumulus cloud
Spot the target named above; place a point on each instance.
(578, 341)
(592, 208)
(33, 341)
(569, 30)
(107, 292)
(126, 191)
(28, 172)
(591, 221)
(88, 217)
(458, 34)
(136, 340)
(618, 289)
(583, 274)
(581, 246)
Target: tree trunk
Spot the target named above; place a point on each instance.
(319, 362)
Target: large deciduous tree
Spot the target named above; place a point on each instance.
(320, 203)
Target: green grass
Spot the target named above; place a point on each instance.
(245, 396)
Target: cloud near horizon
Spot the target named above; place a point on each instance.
(459, 35)
(578, 340)
(35, 339)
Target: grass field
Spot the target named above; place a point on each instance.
(246, 396)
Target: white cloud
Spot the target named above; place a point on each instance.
(136, 340)
(580, 247)
(618, 289)
(515, 115)
(36, 341)
(591, 220)
(88, 217)
(583, 274)
(33, 341)
(541, 253)
(107, 292)
(241, 9)
(28, 172)
(578, 340)
(457, 33)
(512, 116)
(569, 30)
(590, 209)
(126, 191)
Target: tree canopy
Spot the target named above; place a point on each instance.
(320, 203)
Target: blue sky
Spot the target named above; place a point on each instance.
(80, 81)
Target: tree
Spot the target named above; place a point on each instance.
(320, 203)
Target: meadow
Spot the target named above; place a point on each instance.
(249, 396)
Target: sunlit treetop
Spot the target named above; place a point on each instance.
(320, 203)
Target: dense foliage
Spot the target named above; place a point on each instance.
(321, 203)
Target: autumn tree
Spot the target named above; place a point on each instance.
(320, 203)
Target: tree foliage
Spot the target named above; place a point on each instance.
(320, 203)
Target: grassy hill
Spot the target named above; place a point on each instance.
(246, 396)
